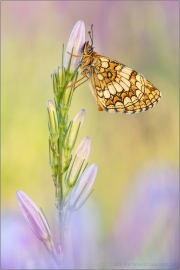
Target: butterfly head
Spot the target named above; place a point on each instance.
(88, 48)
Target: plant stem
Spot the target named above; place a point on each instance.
(60, 174)
(60, 183)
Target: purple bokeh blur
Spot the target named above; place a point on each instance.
(148, 221)
(22, 250)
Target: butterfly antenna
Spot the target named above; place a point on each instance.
(91, 34)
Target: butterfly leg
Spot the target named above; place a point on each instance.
(83, 76)
(82, 82)
(76, 82)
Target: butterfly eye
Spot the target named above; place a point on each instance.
(85, 47)
(89, 49)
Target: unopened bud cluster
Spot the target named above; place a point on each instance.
(72, 179)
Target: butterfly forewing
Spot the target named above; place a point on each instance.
(118, 88)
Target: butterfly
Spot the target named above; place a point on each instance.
(116, 87)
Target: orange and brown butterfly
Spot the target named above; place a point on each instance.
(116, 87)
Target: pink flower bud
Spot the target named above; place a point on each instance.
(35, 218)
(79, 160)
(83, 188)
(76, 42)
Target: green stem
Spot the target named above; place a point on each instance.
(62, 110)
(60, 174)
(60, 182)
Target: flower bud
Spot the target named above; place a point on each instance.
(79, 161)
(53, 122)
(53, 158)
(73, 130)
(35, 218)
(75, 43)
(54, 77)
(66, 102)
(83, 187)
(61, 75)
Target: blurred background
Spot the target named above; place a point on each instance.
(131, 219)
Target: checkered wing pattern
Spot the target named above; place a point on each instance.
(118, 88)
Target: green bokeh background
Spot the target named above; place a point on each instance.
(144, 35)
